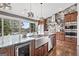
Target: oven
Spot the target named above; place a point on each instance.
(71, 29)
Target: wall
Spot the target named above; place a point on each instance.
(51, 24)
(59, 19)
(78, 24)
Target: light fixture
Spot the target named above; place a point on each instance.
(41, 12)
(5, 6)
(30, 13)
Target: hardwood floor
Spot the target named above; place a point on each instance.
(63, 48)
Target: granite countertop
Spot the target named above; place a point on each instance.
(12, 40)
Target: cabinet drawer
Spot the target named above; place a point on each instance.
(72, 40)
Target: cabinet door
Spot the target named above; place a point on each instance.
(45, 49)
(12, 50)
(41, 51)
(71, 40)
(5, 51)
(74, 16)
(38, 52)
(70, 17)
(67, 18)
(60, 36)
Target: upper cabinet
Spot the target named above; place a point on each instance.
(74, 16)
(70, 14)
(70, 17)
(67, 18)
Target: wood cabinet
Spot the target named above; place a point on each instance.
(60, 36)
(38, 51)
(40, 22)
(70, 17)
(45, 49)
(74, 16)
(7, 51)
(42, 50)
(71, 40)
(67, 18)
(11, 51)
(32, 47)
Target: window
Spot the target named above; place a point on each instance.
(25, 28)
(14, 25)
(11, 31)
(32, 25)
(0, 27)
(0, 32)
(15, 30)
(7, 29)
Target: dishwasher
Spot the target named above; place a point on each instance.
(50, 43)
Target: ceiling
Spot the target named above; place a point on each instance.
(48, 9)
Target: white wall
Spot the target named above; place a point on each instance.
(78, 24)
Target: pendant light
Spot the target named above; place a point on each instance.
(30, 13)
(41, 12)
(5, 6)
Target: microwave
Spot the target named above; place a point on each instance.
(71, 34)
(71, 27)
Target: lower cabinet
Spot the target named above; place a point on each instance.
(42, 50)
(7, 51)
(71, 40)
(60, 36)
